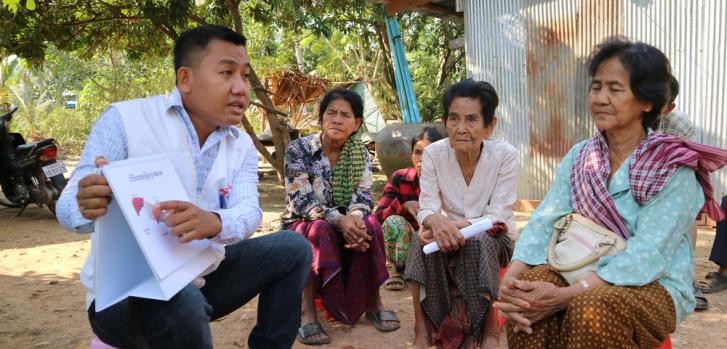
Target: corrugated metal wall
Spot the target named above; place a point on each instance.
(534, 53)
(373, 121)
(692, 34)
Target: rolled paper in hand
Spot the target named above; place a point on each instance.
(469, 231)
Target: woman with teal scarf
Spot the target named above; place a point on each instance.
(328, 181)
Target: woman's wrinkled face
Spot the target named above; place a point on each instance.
(465, 124)
(338, 121)
(611, 102)
(416, 154)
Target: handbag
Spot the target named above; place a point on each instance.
(576, 245)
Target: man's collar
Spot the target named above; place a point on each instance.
(175, 101)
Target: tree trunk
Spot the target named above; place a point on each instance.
(281, 136)
(299, 57)
(388, 63)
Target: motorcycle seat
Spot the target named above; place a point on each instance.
(24, 150)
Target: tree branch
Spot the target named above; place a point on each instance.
(268, 109)
(197, 19)
(171, 33)
(258, 145)
(98, 20)
(234, 7)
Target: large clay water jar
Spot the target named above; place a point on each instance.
(393, 144)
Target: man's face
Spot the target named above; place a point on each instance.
(216, 89)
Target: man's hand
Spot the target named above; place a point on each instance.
(186, 221)
(411, 207)
(354, 232)
(94, 193)
(446, 232)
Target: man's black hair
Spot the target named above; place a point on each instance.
(192, 41)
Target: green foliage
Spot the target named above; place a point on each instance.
(26, 92)
(432, 64)
(13, 5)
(105, 51)
(115, 77)
(40, 94)
(69, 127)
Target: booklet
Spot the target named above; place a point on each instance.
(135, 254)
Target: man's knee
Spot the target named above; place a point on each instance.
(296, 246)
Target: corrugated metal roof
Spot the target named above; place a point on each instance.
(534, 53)
(373, 121)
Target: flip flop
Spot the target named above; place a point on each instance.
(378, 318)
(702, 302)
(394, 283)
(714, 282)
(305, 333)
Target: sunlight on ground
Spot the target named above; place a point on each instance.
(53, 261)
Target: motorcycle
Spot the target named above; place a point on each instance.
(31, 173)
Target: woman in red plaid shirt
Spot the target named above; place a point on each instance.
(399, 205)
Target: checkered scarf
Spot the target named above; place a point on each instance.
(655, 160)
(349, 170)
(660, 155)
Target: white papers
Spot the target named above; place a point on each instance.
(135, 254)
(468, 232)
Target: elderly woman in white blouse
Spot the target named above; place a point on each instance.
(465, 178)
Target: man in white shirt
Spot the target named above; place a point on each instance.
(217, 163)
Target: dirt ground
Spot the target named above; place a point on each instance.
(42, 300)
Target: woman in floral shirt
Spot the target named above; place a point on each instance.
(328, 181)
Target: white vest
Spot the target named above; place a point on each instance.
(153, 128)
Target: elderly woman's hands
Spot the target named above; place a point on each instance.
(354, 232)
(510, 305)
(445, 232)
(524, 303)
(527, 302)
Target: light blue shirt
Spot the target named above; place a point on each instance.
(660, 247)
(107, 138)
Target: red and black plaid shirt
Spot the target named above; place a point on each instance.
(403, 187)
